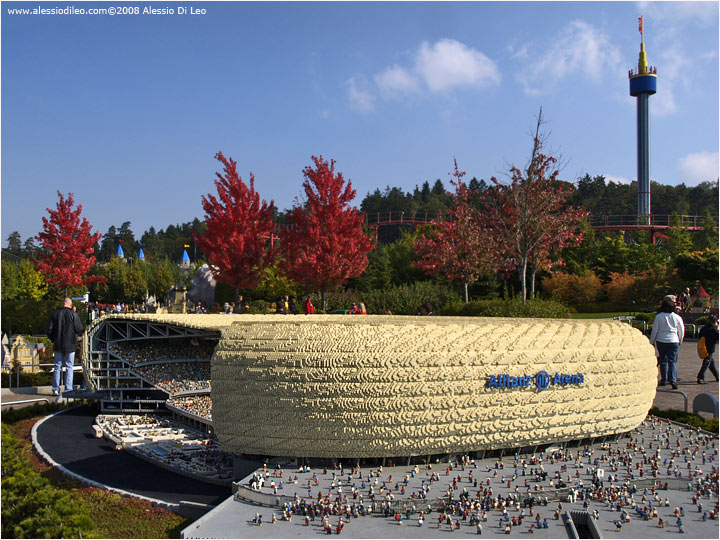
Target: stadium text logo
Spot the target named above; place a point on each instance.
(543, 380)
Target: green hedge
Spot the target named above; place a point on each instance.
(536, 309)
(31, 506)
(602, 307)
(647, 317)
(695, 420)
(31, 316)
(12, 415)
(27, 379)
(400, 300)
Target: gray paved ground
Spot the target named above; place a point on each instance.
(633, 464)
(688, 367)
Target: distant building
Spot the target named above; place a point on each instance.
(185, 260)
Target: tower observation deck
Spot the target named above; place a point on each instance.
(643, 84)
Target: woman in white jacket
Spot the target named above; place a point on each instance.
(667, 334)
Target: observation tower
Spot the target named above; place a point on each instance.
(643, 84)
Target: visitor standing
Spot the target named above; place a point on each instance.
(308, 306)
(710, 333)
(667, 334)
(63, 329)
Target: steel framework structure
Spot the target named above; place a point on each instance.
(125, 390)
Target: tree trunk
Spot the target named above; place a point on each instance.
(523, 279)
(466, 292)
(322, 298)
(532, 283)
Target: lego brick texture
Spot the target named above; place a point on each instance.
(384, 386)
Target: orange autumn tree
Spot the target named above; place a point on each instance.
(325, 244)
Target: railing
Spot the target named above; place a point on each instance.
(690, 222)
(18, 368)
(401, 217)
(35, 400)
(671, 391)
(394, 217)
(649, 70)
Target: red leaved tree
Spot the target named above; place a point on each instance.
(238, 229)
(459, 247)
(67, 245)
(325, 244)
(530, 217)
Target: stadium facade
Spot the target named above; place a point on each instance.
(356, 387)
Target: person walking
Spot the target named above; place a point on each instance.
(710, 333)
(667, 334)
(63, 328)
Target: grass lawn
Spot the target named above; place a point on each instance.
(599, 315)
(113, 516)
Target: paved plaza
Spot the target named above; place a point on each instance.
(688, 366)
(615, 479)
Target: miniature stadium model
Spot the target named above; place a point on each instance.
(384, 386)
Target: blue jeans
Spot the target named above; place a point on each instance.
(708, 362)
(63, 358)
(668, 361)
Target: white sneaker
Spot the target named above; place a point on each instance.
(56, 393)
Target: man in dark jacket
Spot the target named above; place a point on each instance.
(63, 328)
(710, 333)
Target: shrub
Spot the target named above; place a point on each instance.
(647, 317)
(537, 309)
(258, 307)
(695, 420)
(573, 290)
(400, 300)
(27, 379)
(31, 316)
(31, 506)
(12, 415)
(602, 307)
(646, 289)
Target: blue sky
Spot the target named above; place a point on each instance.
(128, 111)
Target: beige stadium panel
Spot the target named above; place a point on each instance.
(383, 386)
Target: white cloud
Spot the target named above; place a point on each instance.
(396, 82)
(698, 167)
(667, 25)
(520, 53)
(579, 49)
(359, 95)
(449, 63)
(669, 17)
(434, 68)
